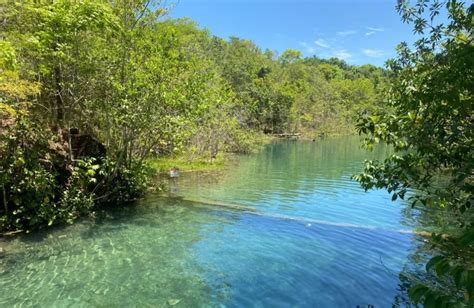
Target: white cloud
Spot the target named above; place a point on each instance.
(308, 49)
(373, 30)
(346, 33)
(373, 53)
(321, 43)
(376, 29)
(342, 54)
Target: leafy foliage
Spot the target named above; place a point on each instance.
(143, 88)
(32, 173)
(429, 124)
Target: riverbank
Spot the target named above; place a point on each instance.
(186, 164)
(164, 164)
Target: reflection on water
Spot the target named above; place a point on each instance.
(303, 178)
(169, 251)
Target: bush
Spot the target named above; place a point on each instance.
(40, 185)
(121, 183)
(245, 141)
(27, 179)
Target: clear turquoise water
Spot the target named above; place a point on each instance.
(314, 240)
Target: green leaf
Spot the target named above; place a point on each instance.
(417, 292)
(433, 262)
(394, 196)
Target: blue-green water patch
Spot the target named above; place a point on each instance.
(302, 234)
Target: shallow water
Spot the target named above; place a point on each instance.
(307, 237)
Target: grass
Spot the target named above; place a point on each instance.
(164, 164)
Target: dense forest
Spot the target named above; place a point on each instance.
(90, 91)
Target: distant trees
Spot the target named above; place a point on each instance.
(309, 95)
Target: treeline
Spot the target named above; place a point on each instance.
(90, 90)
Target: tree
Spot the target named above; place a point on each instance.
(57, 45)
(290, 56)
(142, 88)
(430, 125)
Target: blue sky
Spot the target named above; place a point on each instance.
(358, 31)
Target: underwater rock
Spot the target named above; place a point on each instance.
(173, 302)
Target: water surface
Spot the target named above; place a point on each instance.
(311, 239)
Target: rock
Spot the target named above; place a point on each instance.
(173, 302)
(83, 145)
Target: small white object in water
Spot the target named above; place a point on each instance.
(174, 172)
(308, 225)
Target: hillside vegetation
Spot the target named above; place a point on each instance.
(90, 91)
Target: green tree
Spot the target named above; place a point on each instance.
(290, 56)
(143, 88)
(57, 45)
(430, 125)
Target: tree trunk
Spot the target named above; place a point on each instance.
(59, 97)
(5, 204)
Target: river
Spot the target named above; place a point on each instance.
(286, 227)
